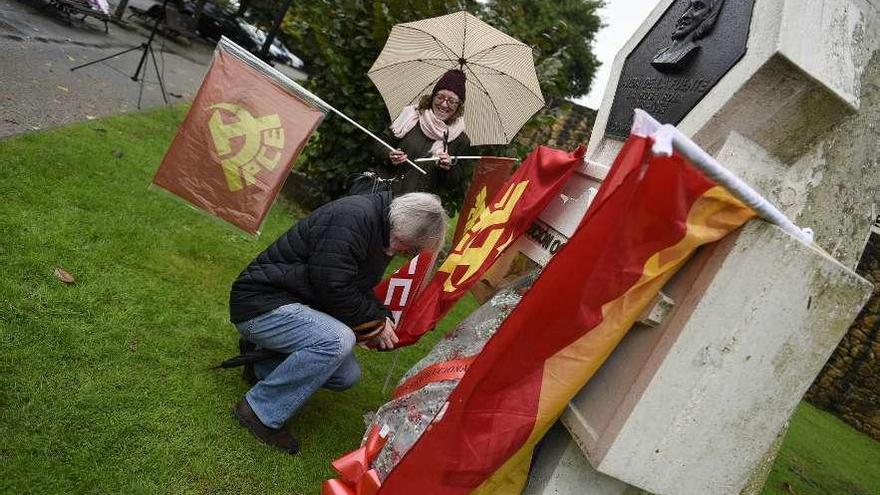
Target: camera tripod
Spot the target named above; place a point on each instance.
(141, 71)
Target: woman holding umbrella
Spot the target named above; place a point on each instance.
(432, 128)
(422, 73)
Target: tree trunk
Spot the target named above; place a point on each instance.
(279, 16)
(243, 5)
(198, 13)
(120, 10)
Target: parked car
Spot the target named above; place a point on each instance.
(277, 50)
(217, 21)
(292, 59)
(211, 21)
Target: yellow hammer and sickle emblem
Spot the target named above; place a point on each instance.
(260, 149)
(476, 209)
(472, 256)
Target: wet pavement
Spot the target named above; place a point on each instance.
(37, 50)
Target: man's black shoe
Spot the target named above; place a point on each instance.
(281, 438)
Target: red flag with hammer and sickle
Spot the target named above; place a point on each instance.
(235, 148)
(489, 176)
(507, 215)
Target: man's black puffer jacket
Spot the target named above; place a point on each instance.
(330, 261)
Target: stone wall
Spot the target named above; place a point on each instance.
(571, 126)
(849, 385)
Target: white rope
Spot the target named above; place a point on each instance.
(390, 373)
(667, 137)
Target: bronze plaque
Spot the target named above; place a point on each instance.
(682, 57)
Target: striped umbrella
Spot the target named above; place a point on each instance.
(502, 86)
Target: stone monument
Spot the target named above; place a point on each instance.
(786, 94)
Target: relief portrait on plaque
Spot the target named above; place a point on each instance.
(690, 47)
(694, 24)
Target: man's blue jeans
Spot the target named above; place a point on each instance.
(320, 355)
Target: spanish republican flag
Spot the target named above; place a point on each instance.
(235, 148)
(509, 213)
(649, 216)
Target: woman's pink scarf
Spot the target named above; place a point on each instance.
(430, 124)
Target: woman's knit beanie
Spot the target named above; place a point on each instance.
(453, 80)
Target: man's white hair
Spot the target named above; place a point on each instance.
(419, 220)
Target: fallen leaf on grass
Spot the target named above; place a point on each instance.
(71, 58)
(62, 275)
(117, 153)
(90, 117)
(62, 88)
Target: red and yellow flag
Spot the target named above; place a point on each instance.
(650, 215)
(399, 290)
(489, 176)
(235, 148)
(508, 214)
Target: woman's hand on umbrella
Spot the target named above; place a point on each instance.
(397, 157)
(444, 161)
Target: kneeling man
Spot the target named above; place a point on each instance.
(303, 295)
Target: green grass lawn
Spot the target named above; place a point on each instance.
(105, 385)
(822, 455)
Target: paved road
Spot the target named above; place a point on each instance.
(37, 50)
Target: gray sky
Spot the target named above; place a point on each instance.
(622, 18)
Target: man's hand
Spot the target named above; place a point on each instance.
(387, 339)
(397, 157)
(444, 161)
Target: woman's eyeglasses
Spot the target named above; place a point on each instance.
(452, 102)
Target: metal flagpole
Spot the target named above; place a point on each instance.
(666, 137)
(292, 85)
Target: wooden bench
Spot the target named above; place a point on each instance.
(80, 7)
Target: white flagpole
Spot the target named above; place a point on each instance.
(434, 158)
(291, 85)
(377, 138)
(666, 137)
